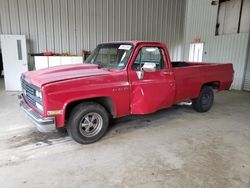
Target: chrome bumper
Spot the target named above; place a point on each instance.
(43, 124)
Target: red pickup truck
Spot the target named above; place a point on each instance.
(117, 79)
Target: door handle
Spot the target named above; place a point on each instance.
(168, 73)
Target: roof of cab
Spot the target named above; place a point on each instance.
(134, 42)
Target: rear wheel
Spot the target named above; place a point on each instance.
(88, 122)
(205, 100)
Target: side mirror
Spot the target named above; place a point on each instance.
(149, 67)
(140, 74)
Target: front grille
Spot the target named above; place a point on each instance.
(30, 99)
(30, 92)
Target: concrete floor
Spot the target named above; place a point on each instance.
(177, 147)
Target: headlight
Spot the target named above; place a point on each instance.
(39, 106)
(38, 94)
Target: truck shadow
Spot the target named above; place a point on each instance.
(129, 123)
(117, 127)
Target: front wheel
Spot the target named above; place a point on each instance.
(88, 122)
(205, 100)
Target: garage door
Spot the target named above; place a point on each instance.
(247, 76)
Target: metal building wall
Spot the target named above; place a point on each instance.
(74, 25)
(200, 22)
(247, 75)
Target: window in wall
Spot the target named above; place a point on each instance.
(233, 17)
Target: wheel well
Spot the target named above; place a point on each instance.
(214, 84)
(106, 102)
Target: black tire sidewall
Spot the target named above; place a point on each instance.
(197, 103)
(209, 91)
(78, 113)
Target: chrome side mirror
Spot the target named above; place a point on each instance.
(149, 67)
(140, 74)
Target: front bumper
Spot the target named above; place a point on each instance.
(43, 124)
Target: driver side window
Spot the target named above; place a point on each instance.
(148, 55)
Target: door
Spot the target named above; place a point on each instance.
(14, 52)
(196, 52)
(155, 90)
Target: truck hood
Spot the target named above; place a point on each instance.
(59, 73)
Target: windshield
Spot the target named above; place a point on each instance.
(114, 56)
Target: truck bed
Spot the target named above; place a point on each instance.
(191, 76)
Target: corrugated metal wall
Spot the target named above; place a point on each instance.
(247, 75)
(74, 25)
(200, 22)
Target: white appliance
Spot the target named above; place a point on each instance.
(14, 52)
(42, 62)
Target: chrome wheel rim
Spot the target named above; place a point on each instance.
(91, 124)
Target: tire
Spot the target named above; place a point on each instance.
(88, 122)
(205, 100)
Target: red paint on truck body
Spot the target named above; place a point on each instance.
(63, 85)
